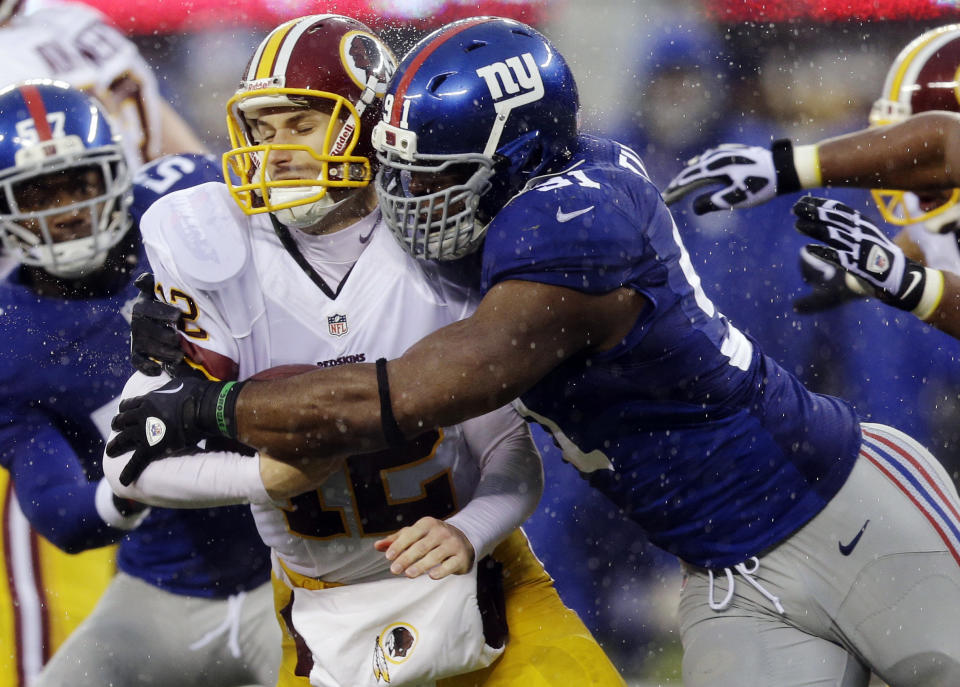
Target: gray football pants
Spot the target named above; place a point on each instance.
(141, 635)
(872, 583)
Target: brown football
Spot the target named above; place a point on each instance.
(281, 371)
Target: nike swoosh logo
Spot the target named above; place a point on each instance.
(847, 549)
(169, 391)
(364, 239)
(567, 216)
(915, 276)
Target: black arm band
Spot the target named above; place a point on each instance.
(388, 423)
(217, 414)
(787, 179)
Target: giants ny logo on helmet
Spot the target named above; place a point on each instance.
(511, 76)
(512, 83)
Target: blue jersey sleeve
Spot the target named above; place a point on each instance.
(58, 499)
(583, 228)
(168, 174)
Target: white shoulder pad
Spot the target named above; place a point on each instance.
(205, 231)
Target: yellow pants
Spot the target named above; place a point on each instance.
(47, 594)
(549, 645)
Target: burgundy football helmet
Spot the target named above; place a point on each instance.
(923, 77)
(326, 62)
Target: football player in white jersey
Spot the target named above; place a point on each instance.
(71, 42)
(913, 144)
(389, 571)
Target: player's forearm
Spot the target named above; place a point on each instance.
(68, 517)
(55, 494)
(336, 412)
(201, 480)
(922, 152)
(511, 484)
(520, 332)
(330, 412)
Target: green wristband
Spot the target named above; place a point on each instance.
(222, 424)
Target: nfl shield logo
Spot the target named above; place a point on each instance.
(337, 324)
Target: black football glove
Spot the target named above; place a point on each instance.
(832, 286)
(171, 419)
(858, 247)
(746, 176)
(154, 341)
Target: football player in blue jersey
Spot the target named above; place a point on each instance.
(816, 547)
(190, 603)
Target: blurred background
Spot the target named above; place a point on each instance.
(670, 78)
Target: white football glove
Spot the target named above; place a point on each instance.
(854, 244)
(747, 175)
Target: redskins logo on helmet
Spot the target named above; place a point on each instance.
(325, 62)
(363, 57)
(924, 76)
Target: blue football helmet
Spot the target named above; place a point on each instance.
(64, 184)
(474, 111)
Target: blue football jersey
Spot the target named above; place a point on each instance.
(65, 365)
(709, 444)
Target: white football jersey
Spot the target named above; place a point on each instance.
(72, 43)
(247, 299)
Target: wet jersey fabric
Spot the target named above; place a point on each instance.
(60, 380)
(717, 451)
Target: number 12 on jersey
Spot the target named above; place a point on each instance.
(376, 511)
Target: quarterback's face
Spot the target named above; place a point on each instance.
(291, 126)
(63, 190)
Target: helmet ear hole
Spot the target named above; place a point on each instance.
(437, 81)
